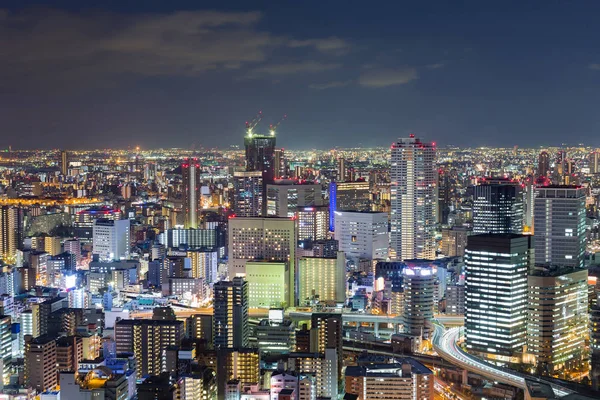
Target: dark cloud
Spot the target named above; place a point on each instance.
(329, 85)
(50, 46)
(377, 78)
(331, 45)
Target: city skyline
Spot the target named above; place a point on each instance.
(187, 75)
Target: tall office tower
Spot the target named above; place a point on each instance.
(568, 175)
(312, 222)
(111, 239)
(148, 339)
(594, 162)
(362, 234)
(348, 196)
(40, 363)
(543, 164)
(454, 241)
(190, 174)
(419, 287)
(559, 219)
(285, 196)
(413, 199)
(231, 329)
(443, 197)
(280, 165)
(558, 324)
(496, 294)
(326, 334)
(260, 154)
(341, 170)
(272, 239)
(323, 279)
(64, 162)
(11, 232)
(498, 207)
(83, 221)
(248, 193)
(406, 379)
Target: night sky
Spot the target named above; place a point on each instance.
(113, 74)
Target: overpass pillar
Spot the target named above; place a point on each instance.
(465, 377)
(376, 327)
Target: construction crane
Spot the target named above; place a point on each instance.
(273, 128)
(252, 124)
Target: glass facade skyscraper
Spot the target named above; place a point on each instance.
(498, 207)
(496, 294)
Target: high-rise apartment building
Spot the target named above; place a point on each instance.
(248, 195)
(322, 279)
(190, 174)
(231, 329)
(559, 220)
(419, 293)
(6, 347)
(326, 334)
(148, 339)
(413, 190)
(40, 363)
(362, 234)
(280, 164)
(64, 162)
(496, 294)
(497, 207)
(11, 232)
(270, 239)
(111, 239)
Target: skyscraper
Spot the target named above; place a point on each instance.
(260, 154)
(280, 165)
(11, 219)
(543, 164)
(413, 199)
(558, 321)
(496, 294)
(419, 280)
(190, 173)
(248, 193)
(285, 196)
(559, 219)
(498, 207)
(348, 196)
(341, 170)
(443, 196)
(64, 162)
(594, 162)
(231, 329)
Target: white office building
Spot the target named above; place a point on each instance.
(362, 234)
(111, 239)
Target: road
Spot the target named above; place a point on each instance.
(445, 345)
